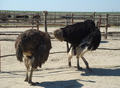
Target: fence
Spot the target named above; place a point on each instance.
(59, 18)
(56, 18)
(10, 19)
(16, 19)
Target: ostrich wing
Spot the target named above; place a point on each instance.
(75, 33)
(41, 55)
(19, 50)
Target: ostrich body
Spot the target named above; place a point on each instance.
(82, 36)
(34, 46)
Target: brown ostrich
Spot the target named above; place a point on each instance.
(34, 46)
(36, 16)
(82, 36)
(4, 17)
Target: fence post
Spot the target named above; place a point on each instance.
(94, 16)
(106, 26)
(55, 17)
(45, 13)
(32, 20)
(99, 22)
(66, 23)
(40, 17)
(37, 16)
(0, 58)
(72, 18)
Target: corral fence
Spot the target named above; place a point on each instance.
(16, 19)
(8, 18)
(12, 19)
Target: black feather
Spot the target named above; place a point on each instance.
(74, 34)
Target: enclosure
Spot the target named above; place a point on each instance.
(56, 73)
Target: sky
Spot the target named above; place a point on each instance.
(61, 5)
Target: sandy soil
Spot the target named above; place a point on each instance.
(55, 73)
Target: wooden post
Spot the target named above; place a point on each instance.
(45, 13)
(50, 18)
(55, 17)
(32, 20)
(106, 24)
(99, 22)
(66, 23)
(84, 16)
(37, 21)
(94, 16)
(37, 26)
(0, 57)
(40, 17)
(72, 18)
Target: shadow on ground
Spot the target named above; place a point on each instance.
(112, 71)
(61, 84)
(103, 41)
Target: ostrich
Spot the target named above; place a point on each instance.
(83, 37)
(36, 16)
(4, 17)
(34, 46)
(22, 16)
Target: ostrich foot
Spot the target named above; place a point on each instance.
(33, 83)
(79, 68)
(26, 79)
(88, 68)
(69, 64)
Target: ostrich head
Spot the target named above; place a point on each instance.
(58, 33)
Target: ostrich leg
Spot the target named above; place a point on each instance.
(69, 60)
(30, 77)
(78, 66)
(69, 54)
(31, 73)
(27, 68)
(86, 63)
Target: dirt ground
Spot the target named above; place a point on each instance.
(55, 73)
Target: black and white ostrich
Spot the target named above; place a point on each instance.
(34, 46)
(82, 36)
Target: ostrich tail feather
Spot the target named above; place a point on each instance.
(19, 54)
